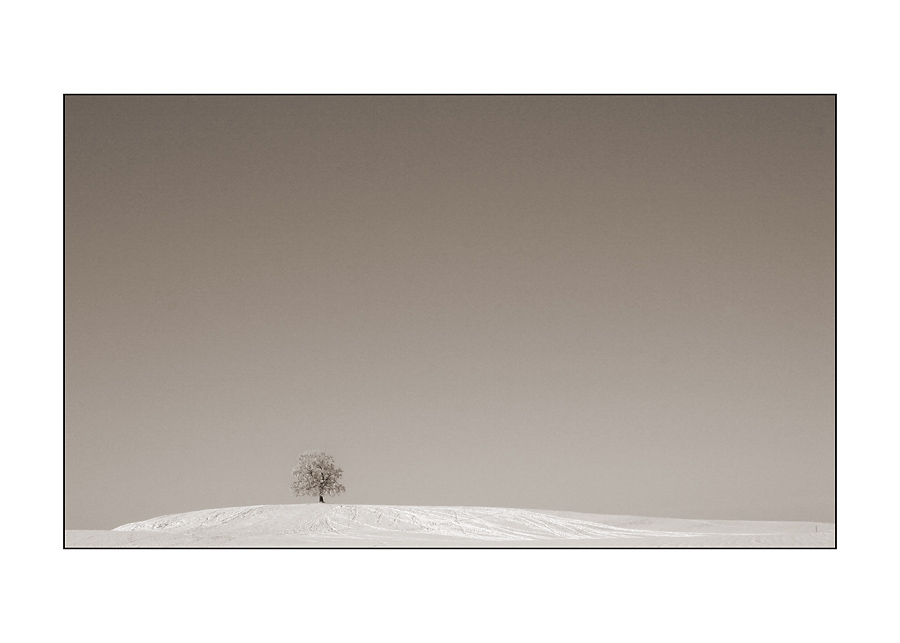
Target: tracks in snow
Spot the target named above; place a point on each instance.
(397, 522)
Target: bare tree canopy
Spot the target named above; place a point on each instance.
(316, 475)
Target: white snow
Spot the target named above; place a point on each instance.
(335, 525)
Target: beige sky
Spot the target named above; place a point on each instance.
(587, 303)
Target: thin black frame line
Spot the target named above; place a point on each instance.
(446, 94)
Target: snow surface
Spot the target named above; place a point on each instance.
(333, 525)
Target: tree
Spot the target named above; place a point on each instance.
(316, 475)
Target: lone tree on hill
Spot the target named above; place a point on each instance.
(316, 475)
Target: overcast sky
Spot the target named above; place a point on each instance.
(605, 304)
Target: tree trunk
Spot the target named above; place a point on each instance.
(320, 498)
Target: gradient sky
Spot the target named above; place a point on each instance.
(605, 304)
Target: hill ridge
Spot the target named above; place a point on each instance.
(323, 523)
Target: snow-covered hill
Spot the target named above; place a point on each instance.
(332, 525)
